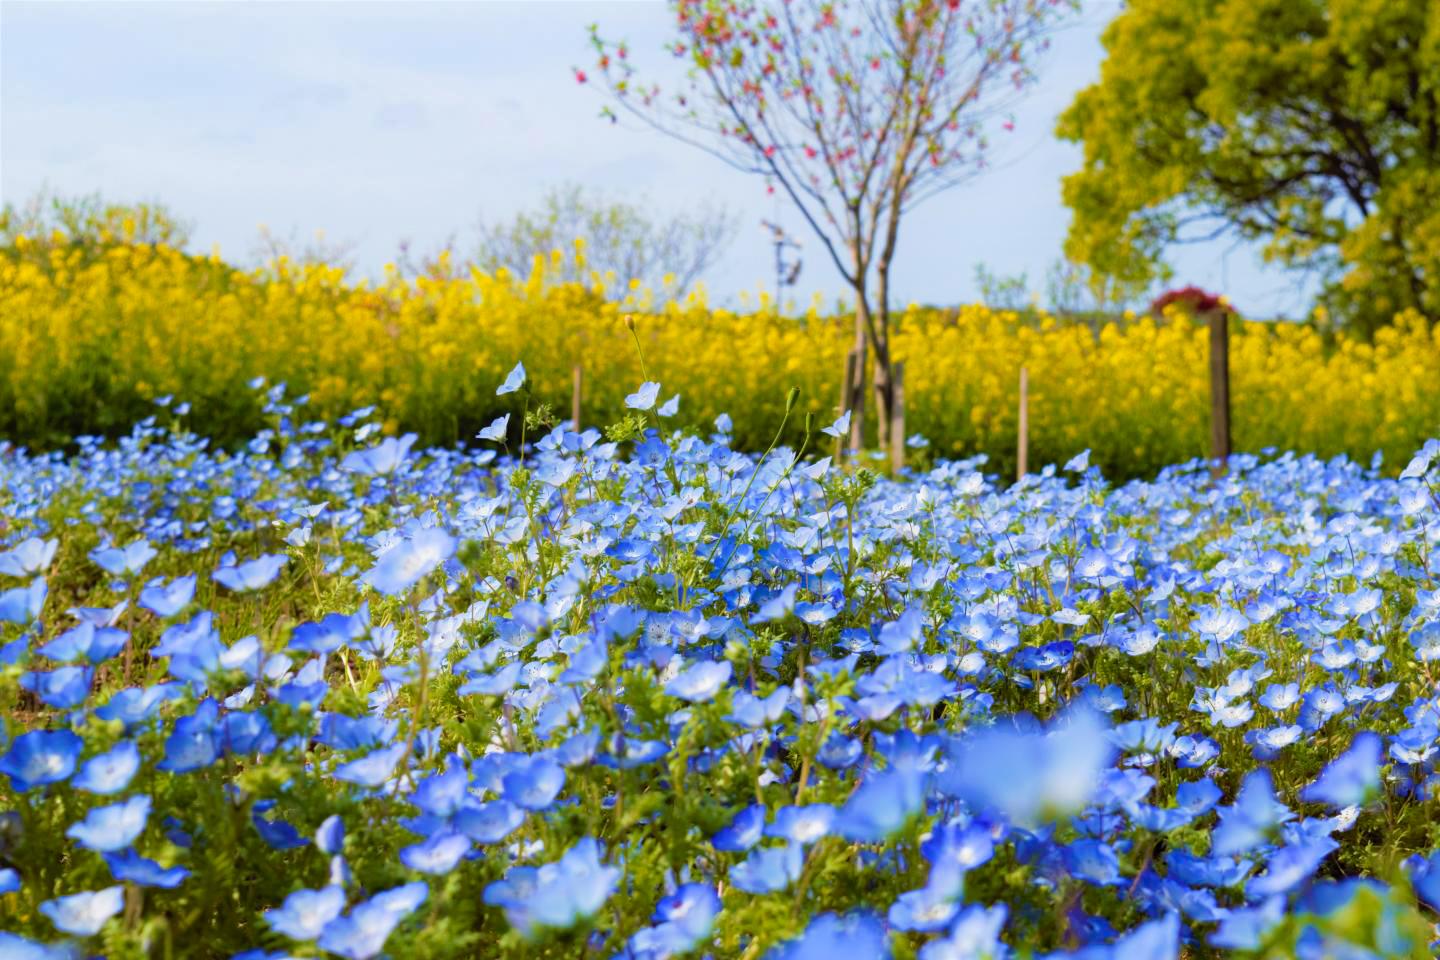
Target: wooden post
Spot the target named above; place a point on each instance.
(847, 387)
(856, 405)
(575, 395)
(1022, 452)
(897, 417)
(1219, 390)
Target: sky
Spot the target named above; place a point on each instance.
(378, 123)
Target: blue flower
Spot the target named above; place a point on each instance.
(166, 600)
(881, 806)
(533, 782)
(130, 867)
(109, 772)
(401, 567)
(373, 769)
(700, 681)
(122, 561)
(802, 825)
(557, 895)
(62, 688)
(513, 381)
(496, 431)
(1255, 814)
(684, 919)
(23, 604)
(88, 642)
(112, 828)
(744, 831)
(437, 855)
(489, 822)
(252, 574)
(9, 882)
(829, 937)
(975, 935)
(645, 397)
(363, 933)
(41, 757)
(306, 912)
(83, 914)
(29, 557)
(382, 459)
(330, 835)
(769, 869)
(840, 428)
(194, 743)
(1352, 778)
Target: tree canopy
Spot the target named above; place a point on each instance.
(1312, 126)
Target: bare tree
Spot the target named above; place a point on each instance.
(619, 235)
(856, 110)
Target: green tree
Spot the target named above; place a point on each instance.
(1312, 126)
(620, 237)
(87, 223)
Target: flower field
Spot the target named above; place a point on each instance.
(638, 695)
(91, 338)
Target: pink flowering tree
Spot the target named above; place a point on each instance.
(855, 110)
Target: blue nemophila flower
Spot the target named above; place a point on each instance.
(881, 806)
(61, 688)
(252, 574)
(306, 912)
(645, 397)
(86, 642)
(29, 557)
(699, 682)
(829, 936)
(533, 782)
(802, 825)
(330, 835)
(41, 757)
(556, 895)
(9, 881)
(1290, 866)
(382, 459)
(373, 769)
(194, 743)
(1255, 814)
(769, 869)
(437, 854)
(496, 430)
(744, 831)
(112, 828)
(682, 921)
(755, 712)
(83, 914)
(1029, 775)
(513, 381)
(1353, 778)
(22, 605)
(124, 561)
(670, 407)
(168, 599)
(840, 428)
(975, 935)
(333, 631)
(128, 866)
(401, 566)
(109, 772)
(489, 822)
(362, 934)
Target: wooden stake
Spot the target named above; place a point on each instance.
(857, 402)
(1219, 391)
(897, 417)
(575, 395)
(1022, 452)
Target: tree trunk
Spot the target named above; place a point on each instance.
(884, 382)
(862, 343)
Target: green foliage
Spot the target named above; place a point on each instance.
(1312, 126)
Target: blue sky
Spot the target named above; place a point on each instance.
(382, 122)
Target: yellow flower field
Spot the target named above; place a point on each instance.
(88, 340)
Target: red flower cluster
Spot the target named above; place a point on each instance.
(1198, 300)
